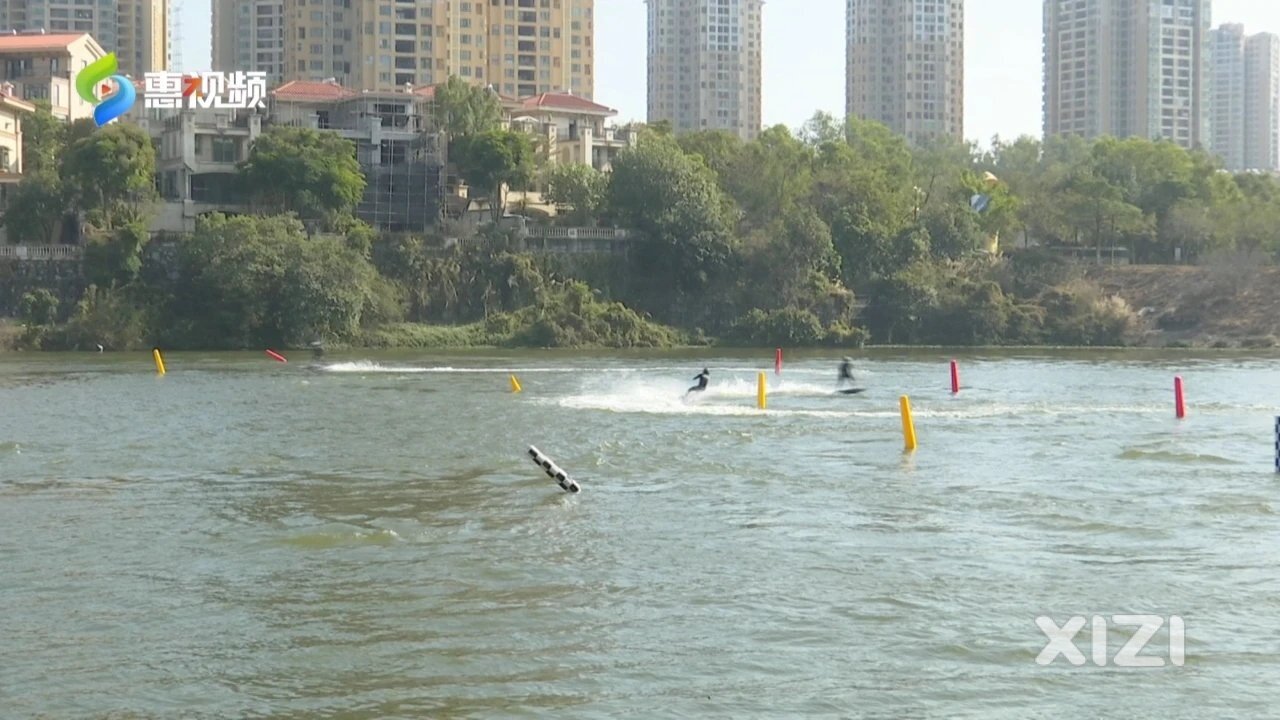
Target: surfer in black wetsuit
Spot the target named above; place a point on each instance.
(846, 372)
(702, 379)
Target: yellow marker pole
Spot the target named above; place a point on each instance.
(515, 385)
(155, 354)
(908, 426)
(760, 391)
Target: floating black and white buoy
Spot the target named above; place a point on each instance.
(553, 471)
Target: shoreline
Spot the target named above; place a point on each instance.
(427, 337)
(6, 349)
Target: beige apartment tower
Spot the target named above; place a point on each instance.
(1127, 68)
(143, 27)
(704, 65)
(904, 66)
(519, 47)
(248, 35)
(135, 30)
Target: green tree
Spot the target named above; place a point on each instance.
(462, 109)
(1152, 176)
(260, 281)
(790, 326)
(787, 257)
(111, 174)
(939, 167)
(864, 194)
(113, 257)
(107, 316)
(674, 201)
(314, 174)
(35, 208)
(1036, 173)
(1096, 212)
(80, 129)
(719, 149)
(821, 129)
(1246, 216)
(953, 230)
(579, 187)
(38, 307)
(491, 160)
(44, 137)
(569, 315)
(900, 303)
(770, 175)
(660, 127)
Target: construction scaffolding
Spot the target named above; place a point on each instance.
(402, 158)
(404, 191)
(402, 155)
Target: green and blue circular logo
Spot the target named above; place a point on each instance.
(118, 94)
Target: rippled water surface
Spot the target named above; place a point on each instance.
(367, 539)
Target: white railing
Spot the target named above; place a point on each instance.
(583, 233)
(40, 252)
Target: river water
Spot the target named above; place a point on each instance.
(368, 539)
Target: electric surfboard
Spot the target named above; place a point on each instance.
(851, 391)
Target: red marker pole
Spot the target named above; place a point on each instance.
(955, 377)
(777, 361)
(1179, 401)
(276, 356)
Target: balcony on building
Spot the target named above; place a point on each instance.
(574, 129)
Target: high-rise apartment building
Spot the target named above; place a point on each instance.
(248, 35)
(520, 47)
(135, 30)
(143, 36)
(1245, 99)
(704, 65)
(1226, 95)
(1262, 102)
(904, 66)
(1127, 68)
(175, 33)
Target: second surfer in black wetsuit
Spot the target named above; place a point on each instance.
(702, 378)
(846, 372)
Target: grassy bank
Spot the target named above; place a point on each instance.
(9, 332)
(1230, 303)
(418, 335)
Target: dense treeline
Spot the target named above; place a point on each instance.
(838, 234)
(767, 241)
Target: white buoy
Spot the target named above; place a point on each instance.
(553, 471)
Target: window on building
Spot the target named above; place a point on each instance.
(224, 150)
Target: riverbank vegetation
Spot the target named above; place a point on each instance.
(837, 235)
